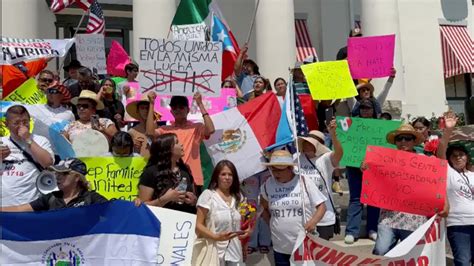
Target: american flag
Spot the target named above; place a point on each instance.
(58, 5)
(96, 22)
(301, 125)
(304, 48)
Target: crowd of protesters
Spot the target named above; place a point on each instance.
(173, 177)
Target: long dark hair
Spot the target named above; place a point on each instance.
(461, 148)
(235, 187)
(114, 86)
(161, 151)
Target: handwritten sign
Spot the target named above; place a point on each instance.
(115, 177)
(27, 93)
(190, 32)
(371, 57)
(329, 80)
(178, 233)
(171, 67)
(90, 51)
(214, 105)
(356, 134)
(404, 181)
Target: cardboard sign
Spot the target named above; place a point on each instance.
(171, 67)
(117, 60)
(329, 80)
(190, 32)
(425, 246)
(177, 236)
(16, 50)
(355, 134)
(214, 105)
(371, 57)
(27, 93)
(90, 51)
(115, 177)
(404, 181)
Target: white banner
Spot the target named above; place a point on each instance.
(15, 50)
(190, 32)
(177, 236)
(171, 67)
(425, 246)
(90, 49)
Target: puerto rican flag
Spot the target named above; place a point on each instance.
(243, 132)
(222, 33)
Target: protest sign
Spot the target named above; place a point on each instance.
(214, 105)
(90, 51)
(425, 246)
(171, 67)
(329, 80)
(371, 57)
(190, 32)
(27, 93)
(117, 60)
(115, 177)
(177, 236)
(355, 134)
(404, 181)
(16, 50)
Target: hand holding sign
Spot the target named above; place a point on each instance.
(404, 181)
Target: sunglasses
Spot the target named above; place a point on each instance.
(46, 80)
(404, 138)
(53, 91)
(83, 106)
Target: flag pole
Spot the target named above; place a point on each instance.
(253, 22)
(73, 36)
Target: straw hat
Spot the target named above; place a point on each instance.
(280, 159)
(132, 107)
(366, 85)
(90, 95)
(312, 138)
(405, 129)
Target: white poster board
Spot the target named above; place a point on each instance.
(90, 50)
(172, 67)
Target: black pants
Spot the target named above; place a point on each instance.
(326, 232)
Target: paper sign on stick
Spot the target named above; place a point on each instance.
(228, 99)
(355, 134)
(115, 177)
(27, 93)
(404, 181)
(171, 67)
(329, 80)
(371, 57)
(90, 49)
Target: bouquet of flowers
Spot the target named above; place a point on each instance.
(248, 213)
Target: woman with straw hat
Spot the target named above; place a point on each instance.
(317, 163)
(290, 205)
(87, 105)
(142, 110)
(395, 226)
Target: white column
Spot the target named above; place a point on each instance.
(275, 38)
(151, 18)
(382, 18)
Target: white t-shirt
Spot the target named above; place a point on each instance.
(47, 118)
(324, 165)
(18, 174)
(286, 209)
(460, 191)
(226, 218)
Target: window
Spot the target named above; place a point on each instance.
(458, 87)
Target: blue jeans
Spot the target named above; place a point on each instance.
(461, 239)
(387, 238)
(354, 211)
(261, 236)
(281, 259)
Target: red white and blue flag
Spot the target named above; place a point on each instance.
(222, 33)
(96, 22)
(58, 5)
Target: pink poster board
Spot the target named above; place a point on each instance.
(371, 57)
(228, 99)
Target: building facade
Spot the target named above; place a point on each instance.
(420, 87)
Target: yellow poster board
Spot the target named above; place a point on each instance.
(27, 93)
(329, 80)
(115, 177)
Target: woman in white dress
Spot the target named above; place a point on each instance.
(218, 216)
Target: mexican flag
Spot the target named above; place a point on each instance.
(189, 20)
(243, 132)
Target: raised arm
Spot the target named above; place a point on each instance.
(386, 89)
(150, 125)
(208, 124)
(240, 60)
(450, 121)
(338, 152)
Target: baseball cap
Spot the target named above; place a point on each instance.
(74, 164)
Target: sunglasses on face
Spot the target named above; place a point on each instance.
(45, 80)
(53, 91)
(404, 138)
(83, 106)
